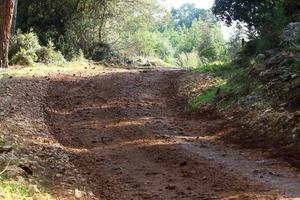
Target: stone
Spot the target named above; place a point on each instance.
(290, 31)
(296, 130)
(90, 193)
(6, 148)
(14, 171)
(260, 57)
(259, 67)
(275, 60)
(269, 53)
(294, 76)
(78, 194)
(171, 187)
(297, 113)
(20, 179)
(34, 189)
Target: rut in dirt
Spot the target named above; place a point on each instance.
(126, 127)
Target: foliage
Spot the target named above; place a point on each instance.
(132, 28)
(212, 43)
(26, 50)
(188, 59)
(265, 20)
(24, 57)
(48, 55)
(48, 18)
(26, 44)
(187, 13)
(252, 13)
(234, 46)
(231, 85)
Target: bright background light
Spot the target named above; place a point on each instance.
(206, 4)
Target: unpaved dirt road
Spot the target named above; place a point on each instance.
(133, 141)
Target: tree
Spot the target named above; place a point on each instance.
(48, 18)
(263, 16)
(187, 13)
(6, 10)
(246, 11)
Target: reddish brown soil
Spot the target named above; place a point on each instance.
(127, 133)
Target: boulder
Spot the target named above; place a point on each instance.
(6, 148)
(290, 31)
(260, 58)
(14, 171)
(281, 59)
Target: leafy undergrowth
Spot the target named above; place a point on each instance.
(231, 84)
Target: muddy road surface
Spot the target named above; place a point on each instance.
(133, 141)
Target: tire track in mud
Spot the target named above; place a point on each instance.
(129, 133)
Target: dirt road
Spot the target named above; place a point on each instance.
(133, 141)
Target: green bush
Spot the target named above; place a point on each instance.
(102, 51)
(23, 48)
(48, 55)
(67, 45)
(26, 41)
(24, 57)
(189, 59)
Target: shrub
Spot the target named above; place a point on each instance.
(189, 60)
(24, 57)
(26, 41)
(67, 45)
(23, 48)
(102, 51)
(163, 47)
(48, 55)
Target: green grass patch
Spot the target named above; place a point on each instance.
(39, 69)
(231, 85)
(13, 190)
(2, 142)
(204, 98)
(216, 68)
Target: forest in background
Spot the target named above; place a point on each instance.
(59, 31)
(187, 36)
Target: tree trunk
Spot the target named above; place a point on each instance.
(6, 10)
(102, 23)
(14, 22)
